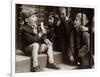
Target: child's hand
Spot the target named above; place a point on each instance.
(58, 22)
(43, 29)
(71, 58)
(83, 28)
(35, 31)
(48, 42)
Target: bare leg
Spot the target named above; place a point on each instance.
(50, 54)
(35, 54)
(49, 49)
(43, 48)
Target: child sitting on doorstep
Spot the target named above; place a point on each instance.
(34, 40)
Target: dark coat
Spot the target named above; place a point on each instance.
(63, 32)
(80, 46)
(27, 36)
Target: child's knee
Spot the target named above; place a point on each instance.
(50, 47)
(35, 45)
(43, 48)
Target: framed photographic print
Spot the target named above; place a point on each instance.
(51, 37)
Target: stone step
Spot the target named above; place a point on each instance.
(23, 63)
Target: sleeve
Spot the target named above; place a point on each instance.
(86, 47)
(29, 38)
(27, 29)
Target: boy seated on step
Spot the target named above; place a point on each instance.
(34, 40)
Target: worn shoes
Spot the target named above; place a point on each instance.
(52, 66)
(36, 69)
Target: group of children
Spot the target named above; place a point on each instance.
(73, 38)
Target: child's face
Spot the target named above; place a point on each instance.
(63, 14)
(85, 19)
(77, 23)
(51, 20)
(33, 18)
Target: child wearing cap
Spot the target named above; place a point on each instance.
(31, 41)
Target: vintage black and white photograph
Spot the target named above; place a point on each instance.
(50, 38)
